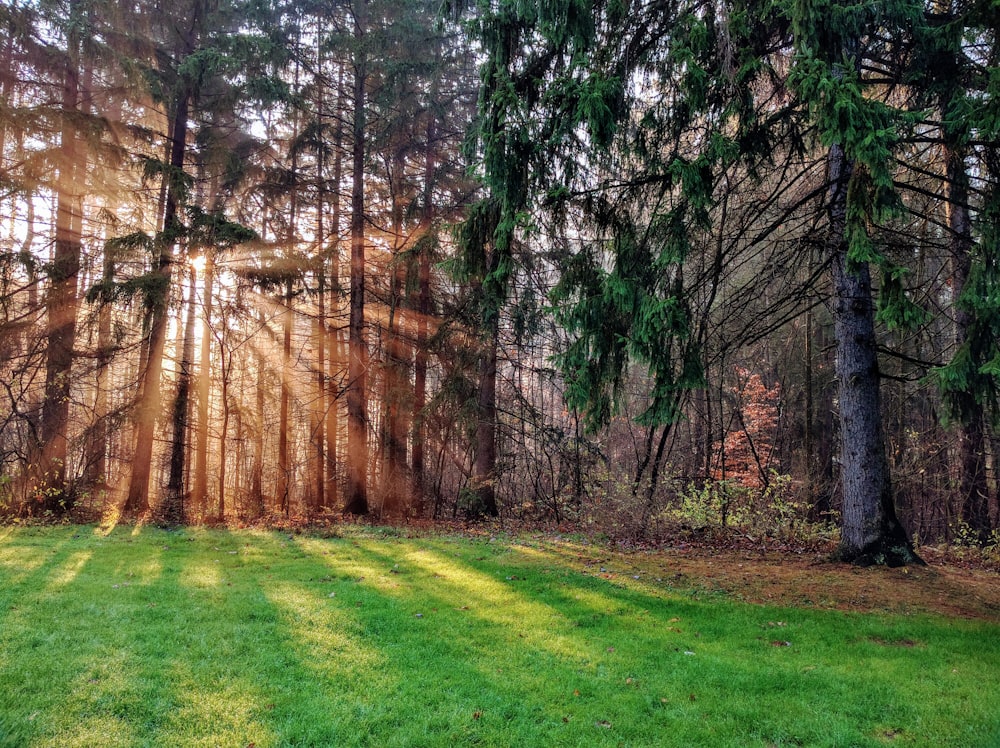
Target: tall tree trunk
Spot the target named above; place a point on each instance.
(870, 531)
(423, 311)
(395, 380)
(319, 326)
(96, 475)
(972, 439)
(199, 494)
(484, 467)
(283, 484)
(137, 499)
(95, 459)
(223, 433)
(335, 355)
(257, 468)
(6, 82)
(357, 426)
(319, 397)
(61, 302)
(173, 512)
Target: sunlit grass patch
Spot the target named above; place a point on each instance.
(209, 637)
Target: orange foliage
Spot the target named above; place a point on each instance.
(749, 442)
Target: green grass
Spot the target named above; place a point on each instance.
(213, 638)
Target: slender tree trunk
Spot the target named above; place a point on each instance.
(972, 442)
(319, 327)
(199, 495)
(423, 311)
(95, 460)
(283, 484)
(870, 531)
(484, 467)
(257, 468)
(320, 405)
(335, 354)
(223, 434)
(357, 426)
(61, 302)
(137, 500)
(174, 511)
(6, 81)
(395, 380)
(96, 477)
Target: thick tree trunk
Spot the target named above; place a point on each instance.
(357, 374)
(870, 531)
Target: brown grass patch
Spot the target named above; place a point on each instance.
(811, 580)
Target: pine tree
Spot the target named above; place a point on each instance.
(859, 132)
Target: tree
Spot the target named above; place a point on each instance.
(647, 187)
(952, 81)
(62, 300)
(356, 493)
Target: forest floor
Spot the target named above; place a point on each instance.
(956, 581)
(812, 580)
(960, 582)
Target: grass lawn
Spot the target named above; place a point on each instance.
(249, 638)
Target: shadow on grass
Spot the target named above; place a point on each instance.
(216, 638)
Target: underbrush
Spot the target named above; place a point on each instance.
(720, 511)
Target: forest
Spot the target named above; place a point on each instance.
(638, 267)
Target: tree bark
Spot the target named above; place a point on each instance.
(870, 531)
(484, 467)
(319, 326)
(199, 495)
(357, 426)
(137, 499)
(257, 467)
(95, 461)
(223, 432)
(174, 511)
(972, 440)
(283, 483)
(394, 477)
(335, 354)
(61, 302)
(423, 310)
